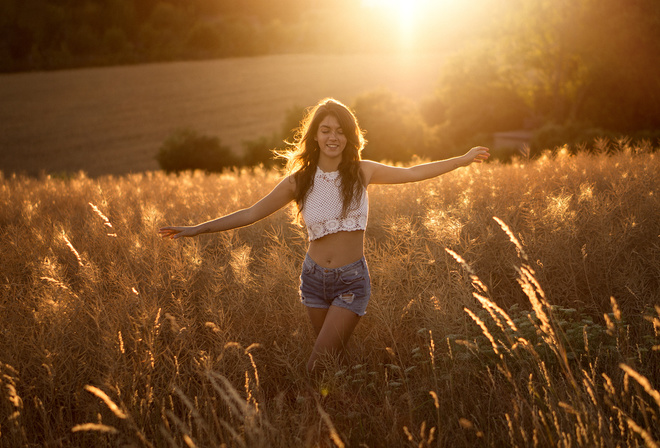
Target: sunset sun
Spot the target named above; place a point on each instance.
(409, 18)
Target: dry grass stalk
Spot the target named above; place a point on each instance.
(473, 276)
(643, 381)
(650, 443)
(492, 306)
(334, 436)
(484, 329)
(73, 249)
(512, 238)
(99, 427)
(106, 221)
(108, 402)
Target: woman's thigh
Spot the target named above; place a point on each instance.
(317, 316)
(337, 328)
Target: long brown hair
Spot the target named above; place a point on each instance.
(302, 160)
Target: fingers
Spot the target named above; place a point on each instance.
(481, 153)
(168, 232)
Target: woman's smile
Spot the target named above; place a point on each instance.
(330, 137)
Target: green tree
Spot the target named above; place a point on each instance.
(622, 50)
(260, 150)
(204, 40)
(540, 47)
(590, 61)
(578, 64)
(187, 149)
(395, 128)
(475, 96)
(161, 35)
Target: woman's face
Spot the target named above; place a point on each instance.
(330, 137)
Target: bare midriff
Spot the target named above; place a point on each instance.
(337, 249)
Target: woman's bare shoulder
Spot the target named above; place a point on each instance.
(289, 182)
(368, 167)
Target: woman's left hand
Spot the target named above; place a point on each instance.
(476, 155)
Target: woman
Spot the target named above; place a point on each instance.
(328, 182)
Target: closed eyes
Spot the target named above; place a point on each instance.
(325, 130)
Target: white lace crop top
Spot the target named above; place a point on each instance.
(323, 205)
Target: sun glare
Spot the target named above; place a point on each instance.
(409, 16)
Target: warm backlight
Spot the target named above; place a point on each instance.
(415, 21)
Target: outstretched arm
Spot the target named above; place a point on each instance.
(378, 173)
(280, 196)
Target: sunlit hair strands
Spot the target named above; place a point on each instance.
(303, 158)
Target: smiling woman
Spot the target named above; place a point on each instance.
(328, 182)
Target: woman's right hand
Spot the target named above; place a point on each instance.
(477, 154)
(178, 232)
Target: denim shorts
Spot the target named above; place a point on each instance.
(346, 287)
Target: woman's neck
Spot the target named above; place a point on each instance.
(328, 165)
(326, 171)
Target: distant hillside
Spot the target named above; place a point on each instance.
(112, 120)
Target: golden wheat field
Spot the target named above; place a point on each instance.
(512, 305)
(113, 120)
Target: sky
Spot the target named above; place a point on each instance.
(415, 24)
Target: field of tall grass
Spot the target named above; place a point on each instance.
(512, 305)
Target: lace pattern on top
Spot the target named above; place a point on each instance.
(323, 206)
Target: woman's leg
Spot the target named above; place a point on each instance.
(317, 316)
(333, 331)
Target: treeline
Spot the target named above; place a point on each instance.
(564, 67)
(55, 34)
(48, 34)
(398, 130)
(569, 72)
